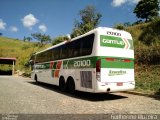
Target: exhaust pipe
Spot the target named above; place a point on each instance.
(108, 89)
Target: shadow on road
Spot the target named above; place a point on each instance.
(9, 72)
(81, 95)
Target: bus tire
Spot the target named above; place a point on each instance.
(70, 85)
(35, 78)
(62, 84)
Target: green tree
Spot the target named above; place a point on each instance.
(146, 9)
(120, 26)
(28, 39)
(127, 24)
(89, 20)
(1, 34)
(24, 39)
(42, 38)
(59, 39)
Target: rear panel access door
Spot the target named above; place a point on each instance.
(117, 70)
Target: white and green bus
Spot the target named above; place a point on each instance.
(101, 60)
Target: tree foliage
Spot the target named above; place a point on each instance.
(1, 34)
(89, 20)
(27, 39)
(146, 9)
(42, 38)
(59, 39)
(120, 26)
(151, 33)
(127, 24)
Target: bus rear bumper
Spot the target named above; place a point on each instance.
(114, 87)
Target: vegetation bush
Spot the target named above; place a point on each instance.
(24, 47)
(59, 39)
(5, 67)
(120, 26)
(20, 50)
(147, 56)
(147, 78)
(151, 33)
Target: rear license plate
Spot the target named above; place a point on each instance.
(119, 84)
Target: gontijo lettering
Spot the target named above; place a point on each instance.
(113, 41)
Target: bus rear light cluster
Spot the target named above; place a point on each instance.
(98, 66)
(110, 59)
(98, 70)
(126, 60)
(114, 59)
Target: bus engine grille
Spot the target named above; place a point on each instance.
(86, 79)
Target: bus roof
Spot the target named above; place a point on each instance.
(98, 29)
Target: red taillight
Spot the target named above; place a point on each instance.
(126, 60)
(98, 70)
(110, 59)
(98, 66)
(119, 84)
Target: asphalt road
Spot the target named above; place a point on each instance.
(20, 95)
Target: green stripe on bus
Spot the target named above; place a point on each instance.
(54, 65)
(42, 66)
(117, 64)
(80, 63)
(131, 44)
(47, 65)
(89, 62)
(103, 57)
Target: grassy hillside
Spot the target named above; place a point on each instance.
(146, 34)
(148, 78)
(146, 38)
(17, 49)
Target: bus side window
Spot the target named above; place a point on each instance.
(56, 53)
(53, 54)
(87, 45)
(64, 52)
(76, 48)
(68, 50)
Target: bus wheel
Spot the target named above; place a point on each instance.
(36, 79)
(70, 85)
(62, 84)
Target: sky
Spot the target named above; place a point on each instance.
(19, 18)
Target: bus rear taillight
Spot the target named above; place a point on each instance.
(110, 59)
(126, 60)
(98, 69)
(98, 66)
